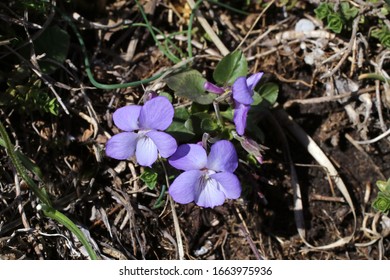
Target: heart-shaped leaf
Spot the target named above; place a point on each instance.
(231, 67)
(190, 84)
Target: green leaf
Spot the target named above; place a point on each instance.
(149, 177)
(335, 23)
(264, 98)
(196, 122)
(382, 34)
(383, 186)
(231, 67)
(385, 39)
(196, 108)
(54, 42)
(181, 114)
(209, 125)
(266, 95)
(385, 11)
(323, 10)
(228, 114)
(376, 33)
(348, 11)
(188, 125)
(189, 84)
(53, 107)
(269, 92)
(181, 127)
(181, 131)
(167, 95)
(382, 203)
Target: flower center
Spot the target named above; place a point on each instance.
(142, 133)
(205, 178)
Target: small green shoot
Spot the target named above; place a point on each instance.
(382, 201)
(149, 177)
(337, 20)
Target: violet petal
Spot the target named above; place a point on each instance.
(253, 80)
(240, 116)
(241, 92)
(182, 189)
(156, 113)
(146, 151)
(126, 118)
(208, 193)
(222, 157)
(189, 157)
(230, 184)
(165, 143)
(122, 145)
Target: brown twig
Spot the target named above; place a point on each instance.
(347, 51)
(327, 198)
(324, 99)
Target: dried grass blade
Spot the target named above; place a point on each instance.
(206, 26)
(323, 160)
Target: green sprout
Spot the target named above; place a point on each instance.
(382, 201)
(383, 35)
(339, 19)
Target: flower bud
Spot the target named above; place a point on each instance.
(210, 87)
(149, 95)
(253, 148)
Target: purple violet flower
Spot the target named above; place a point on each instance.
(149, 120)
(206, 180)
(242, 91)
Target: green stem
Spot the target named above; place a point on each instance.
(88, 65)
(89, 72)
(64, 220)
(171, 56)
(124, 85)
(20, 169)
(189, 31)
(160, 198)
(228, 7)
(166, 38)
(31, 166)
(41, 193)
(374, 76)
